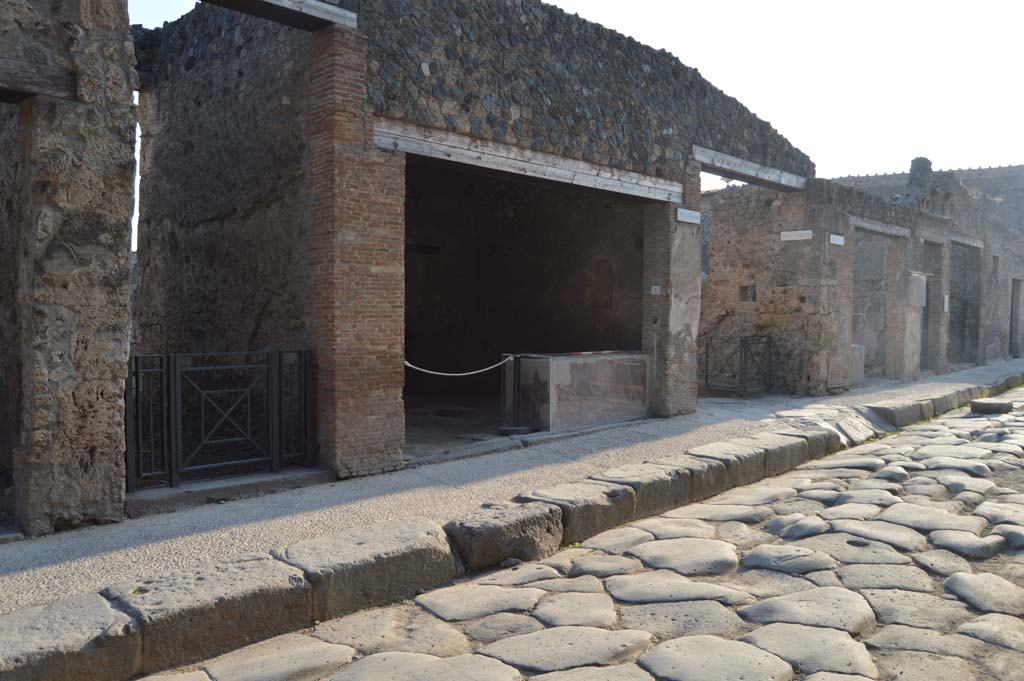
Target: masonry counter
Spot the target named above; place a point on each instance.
(551, 392)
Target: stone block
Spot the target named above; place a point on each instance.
(900, 413)
(946, 403)
(927, 409)
(991, 405)
(744, 465)
(657, 488)
(588, 507)
(194, 614)
(497, 531)
(782, 453)
(293, 657)
(373, 565)
(708, 477)
(78, 639)
(820, 441)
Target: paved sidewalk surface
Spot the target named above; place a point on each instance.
(896, 560)
(40, 571)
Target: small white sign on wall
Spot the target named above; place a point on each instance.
(690, 216)
(798, 235)
(837, 240)
(655, 290)
(945, 303)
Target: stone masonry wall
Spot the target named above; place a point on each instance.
(225, 199)
(10, 360)
(73, 267)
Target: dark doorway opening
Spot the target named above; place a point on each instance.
(964, 304)
(1015, 314)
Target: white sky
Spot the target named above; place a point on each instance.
(861, 88)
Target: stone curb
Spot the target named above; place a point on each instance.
(178, 618)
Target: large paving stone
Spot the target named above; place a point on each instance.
(915, 666)
(987, 592)
(722, 513)
(624, 672)
(707, 658)
(606, 566)
(496, 532)
(657, 488)
(78, 639)
(469, 601)
(708, 477)
(744, 465)
(901, 637)
(754, 495)
(898, 536)
(373, 565)
(814, 649)
(418, 667)
(789, 559)
(976, 468)
(501, 625)
(997, 629)
(562, 648)
(676, 528)
(672, 620)
(584, 584)
(666, 586)
(967, 544)
(875, 497)
(826, 606)
(808, 527)
(847, 549)
(999, 513)
(905, 577)
(914, 609)
(589, 507)
(518, 575)
(868, 463)
(743, 536)
(400, 628)
(929, 519)
(577, 609)
(941, 562)
(293, 657)
(765, 583)
(618, 540)
(195, 614)
(688, 556)
(851, 512)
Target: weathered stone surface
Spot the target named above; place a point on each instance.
(997, 629)
(517, 575)
(657, 488)
(904, 577)
(991, 405)
(567, 647)
(563, 560)
(914, 666)
(214, 608)
(941, 562)
(851, 512)
(400, 628)
(967, 544)
(498, 531)
(998, 513)
(929, 519)
(789, 559)
(1013, 534)
(721, 513)
(875, 497)
(971, 466)
(782, 453)
(708, 658)
(418, 667)
(868, 463)
(293, 657)
(577, 609)
(849, 549)
(829, 676)
(765, 583)
(959, 483)
(943, 451)
(501, 625)
(624, 672)
(676, 528)
(824, 496)
(589, 507)
(78, 639)
(369, 566)
(744, 465)
(808, 527)
(754, 495)
(901, 637)
(898, 536)
(895, 606)
(814, 649)
(618, 540)
(667, 586)
(833, 607)
(469, 601)
(708, 477)
(688, 556)
(606, 566)
(584, 584)
(672, 620)
(987, 592)
(742, 536)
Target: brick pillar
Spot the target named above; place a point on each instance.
(358, 261)
(901, 357)
(671, 301)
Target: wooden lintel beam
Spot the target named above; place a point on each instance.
(735, 168)
(22, 79)
(308, 15)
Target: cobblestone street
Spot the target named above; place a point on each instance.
(896, 559)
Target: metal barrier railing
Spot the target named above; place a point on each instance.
(738, 365)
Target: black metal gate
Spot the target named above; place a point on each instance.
(742, 366)
(192, 416)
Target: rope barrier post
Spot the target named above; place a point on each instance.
(517, 427)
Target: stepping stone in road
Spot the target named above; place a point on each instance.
(929, 519)
(814, 649)
(900, 637)
(847, 549)
(941, 562)
(997, 629)
(688, 556)
(896, 606)
(898, 536)
(575, 609)
(666, 586)
(906, 577)
(722, 513)
(826, 606)
(469, 601)
(708, 658)
(968, 544)
(418, 667)
(987, 592)
(672, 620)
(789, 559)
(562, 648)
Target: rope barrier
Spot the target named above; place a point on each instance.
(468, 373)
